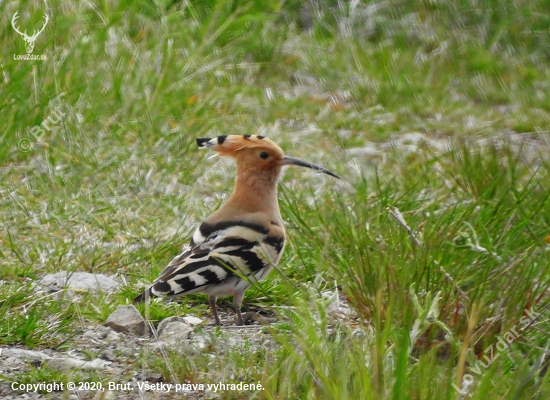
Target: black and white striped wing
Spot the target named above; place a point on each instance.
(218, 253)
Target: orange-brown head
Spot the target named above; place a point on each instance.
(255, 153)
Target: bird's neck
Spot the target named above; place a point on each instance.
(256, 191)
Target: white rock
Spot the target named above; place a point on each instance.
(79, 281)
(193, 321)
(64, 363)
(33, 357)
(176, 331)
(162, 324)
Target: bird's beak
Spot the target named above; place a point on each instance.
(301, 163)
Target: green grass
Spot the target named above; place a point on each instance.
(118, 185)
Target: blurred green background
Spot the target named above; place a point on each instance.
(438, 108)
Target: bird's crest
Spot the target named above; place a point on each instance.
(231, 144)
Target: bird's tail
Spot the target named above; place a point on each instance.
(146, 295)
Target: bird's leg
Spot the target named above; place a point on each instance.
(212, 302)
(237, 301)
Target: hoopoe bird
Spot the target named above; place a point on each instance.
(243, 240)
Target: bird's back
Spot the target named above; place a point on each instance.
(224, 257)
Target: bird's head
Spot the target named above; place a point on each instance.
(255, 153)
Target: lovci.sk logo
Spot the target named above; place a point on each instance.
(29, 40)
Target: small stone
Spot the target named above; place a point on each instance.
(108, 355)
(13, 360)
(249, 318)
(91, 334)
(193, 321)
(175, 331)
(154, 377)
(112, 336)
(102, 334)
(107, 395)
(200, 341)
(127, 319)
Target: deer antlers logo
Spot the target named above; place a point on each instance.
(29, 40)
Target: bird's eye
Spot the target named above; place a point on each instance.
(264, 155)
